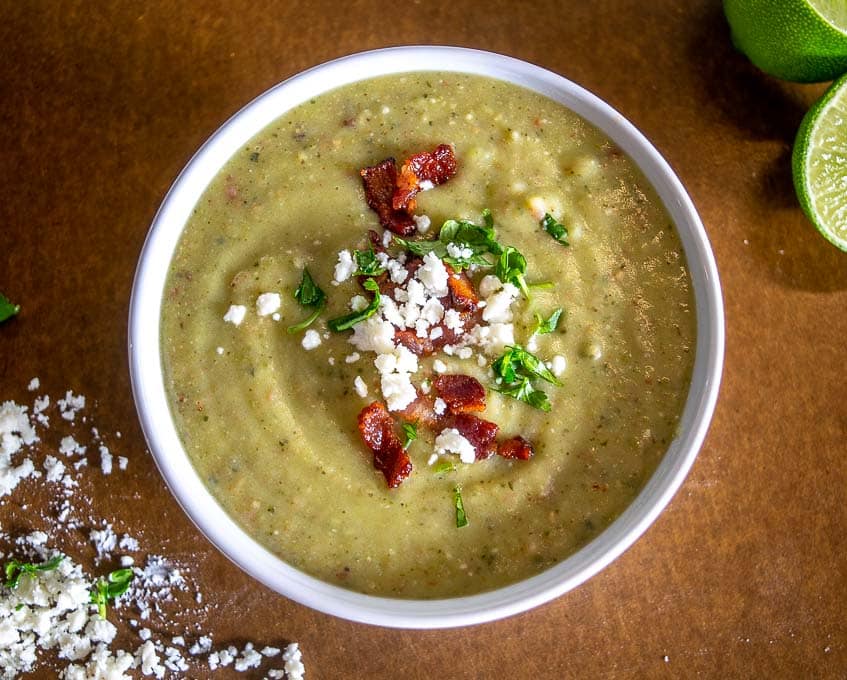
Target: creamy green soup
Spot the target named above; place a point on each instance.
(271, 426)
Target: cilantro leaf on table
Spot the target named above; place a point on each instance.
(115, 585)
(7, 308)
(14, 569)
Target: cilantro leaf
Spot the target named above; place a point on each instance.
(367, 263)
(443, 467)
(524, 391)
(7, 309)
(516, 369)
(547, 325)
(511, 267)
(308, 294)
(15, 569)
(461, 517)
(555, 228)
(343, 323)
(115, 585)
(411, 432)
(480, 239)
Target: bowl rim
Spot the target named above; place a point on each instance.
(147, 375)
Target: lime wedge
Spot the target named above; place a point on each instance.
(819, 164)
(799, 40)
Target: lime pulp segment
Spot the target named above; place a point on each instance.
(834, 11)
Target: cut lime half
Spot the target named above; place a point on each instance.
(800, 40)
(819, 164)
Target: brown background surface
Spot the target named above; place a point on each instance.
(744, 575)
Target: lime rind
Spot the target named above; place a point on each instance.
(819, 164)
(798, 40)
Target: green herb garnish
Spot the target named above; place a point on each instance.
(480, 239)
(511, 267)
(461, 517)
(308, 294)
(15, 569)
(7, 309)
(555, 228)
(516, 369)
(342, 323)
(411, 432)
(443, 467)
(522, 390)
(367, 263)
(547, 325)
(115, 585)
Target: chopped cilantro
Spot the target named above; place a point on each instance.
(7, 309)
(367, 264)
(343, 323)
(461, 517)
(516, 369)
(411, 432)
(555, 228)
(548, 325)
(480, 239)
(511, 267)
(444, 466)
(522, 390)
(308, 294)
(115, 585)
(15, 569)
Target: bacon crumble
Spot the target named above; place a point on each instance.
(380, 181)
(435, 167)
(377, 429)
(460, 392)
(515, 448)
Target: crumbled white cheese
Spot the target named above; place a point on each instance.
(433, 275)
(235, 314)
(345, 267)
(70, 405)
(439, 366)
(459, 251)
(453, 320)
(488, 285)
(498, 305)
(450, 440)
(358, 303)
(422, 222)
(537, 207)
(105, 460)
(558, 364)
(219, 351)
(352, 358)
(34, 384)
(360, 387)
(398, 390)
(373, 335)
(267, 303)
(294, 668)
(439, 406)
(311, 340)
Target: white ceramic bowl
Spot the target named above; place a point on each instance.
(149, 388)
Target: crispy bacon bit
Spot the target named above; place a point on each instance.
(480, 433)
(422, 347)
(380, 182)
(422, 411)
(435, 167)
(460, 392)
(462, 293)
(377, 429)
(516, 447)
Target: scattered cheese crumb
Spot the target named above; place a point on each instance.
(345, 267)
(360, 387)
(267, 303)
(235, 314)
(34, 384)
(450, 440)
(311, 340)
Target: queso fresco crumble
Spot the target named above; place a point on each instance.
(482, 346)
